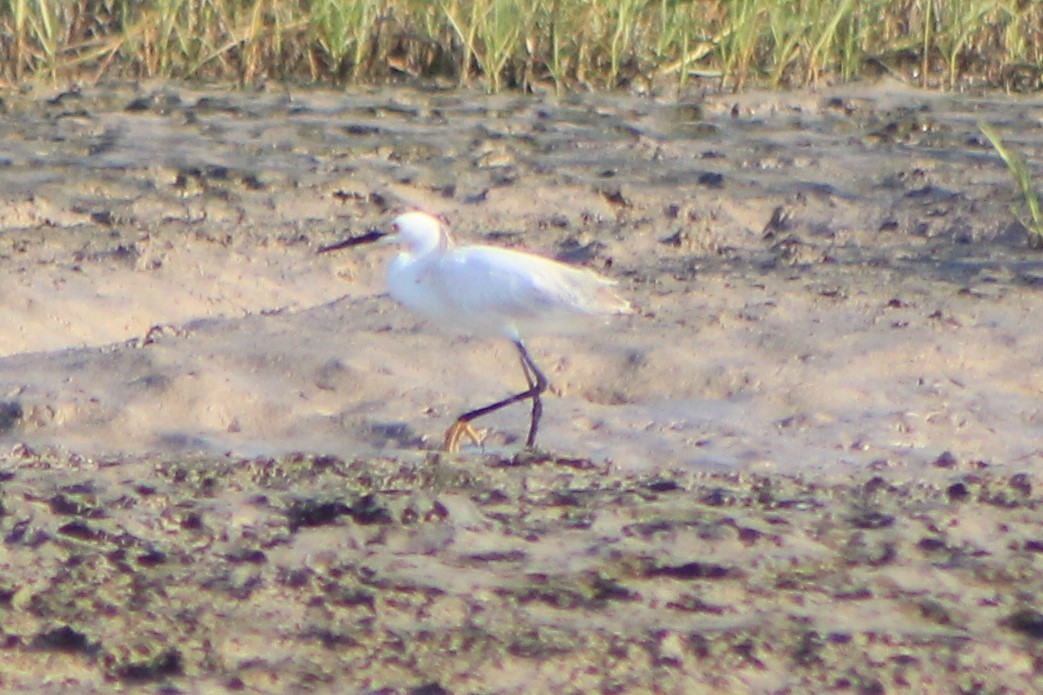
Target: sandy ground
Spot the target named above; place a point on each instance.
(809, 460)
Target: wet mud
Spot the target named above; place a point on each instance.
(426, 573)
(809, 462)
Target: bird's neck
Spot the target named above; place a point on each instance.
(435, 244)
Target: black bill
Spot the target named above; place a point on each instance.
(367, 238)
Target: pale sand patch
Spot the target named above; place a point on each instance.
(883, 318)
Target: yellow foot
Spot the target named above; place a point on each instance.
(458, 431)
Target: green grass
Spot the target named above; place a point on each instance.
(1023, 179)
(509, 44)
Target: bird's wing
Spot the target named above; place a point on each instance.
(518, 285)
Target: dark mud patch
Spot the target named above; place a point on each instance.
(464, 574)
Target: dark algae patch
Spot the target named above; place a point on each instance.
(426, 573)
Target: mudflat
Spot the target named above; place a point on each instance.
(808, 461)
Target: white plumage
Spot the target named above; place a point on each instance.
(490, 291)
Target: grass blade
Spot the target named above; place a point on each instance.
(1023, 178)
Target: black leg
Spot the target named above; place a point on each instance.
(529, 378)
(537, 404)
(537, 385)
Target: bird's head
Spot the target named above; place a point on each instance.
(416, 230)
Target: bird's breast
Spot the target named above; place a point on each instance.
(409, 284)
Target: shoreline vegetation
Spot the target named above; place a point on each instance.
(539, 45)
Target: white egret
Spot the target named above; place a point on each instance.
(489, 291)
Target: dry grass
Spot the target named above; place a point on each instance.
(566, 44)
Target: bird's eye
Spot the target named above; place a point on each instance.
(394, 228)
